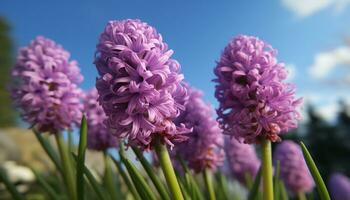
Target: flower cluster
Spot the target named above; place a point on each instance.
(140, 86)
(204, 148)
(255, 103)
(339, 187)
(293, 169)
(242, 159)
(47, 90)
(99, 137)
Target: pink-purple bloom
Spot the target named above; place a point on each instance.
(46, 90)
(99, 137)
(255, 103)
(339, 187)
(140, 86)
(242, 159)
(293, 169)
(204, 148)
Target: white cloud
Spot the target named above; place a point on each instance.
(291, 71)
(325, 62)
(304, 8)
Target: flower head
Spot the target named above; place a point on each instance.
(293, 169)
(255, 103)
(47, 90)
(242, 159)
(204, 148)
(140, 86)
(339, 187)
(99, 137)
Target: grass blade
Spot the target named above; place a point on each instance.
(139, 181)
(321, 187)
(126, 179)
(46, 186)
(81, 159)
(275, 181)
(109, 179)
(94, 183)
(10, 187)
(49, 150)
(253, 193)
(151, 173)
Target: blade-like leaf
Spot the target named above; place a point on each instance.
(139, 181)
(126, 179)
(81, 158)
(49, 150)
(283, 191)
(94, 183)
(253, 193)
(109, 179)
(46, 186)
(321, 187)
(68, 169)
(151, 173)
(222, 185)
(276, 188)
(10, 187)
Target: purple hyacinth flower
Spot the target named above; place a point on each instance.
(339, 187)
(204, 148)
(293, 169)
(255, 103)
(140, 86)
(99, 137)
(46, 90)
(242, 159)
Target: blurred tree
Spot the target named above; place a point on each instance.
(329, 143)
(7, 112)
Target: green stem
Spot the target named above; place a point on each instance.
(301, 196)
(68, 173)
(208, 179)
(168, 170)
(267, 170)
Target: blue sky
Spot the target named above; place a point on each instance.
(309, 36)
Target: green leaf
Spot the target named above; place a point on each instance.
(126, 179)
(222, 185)
(283, 191)
(253, 193)
(109, 179)
(139, 181)
(321, 187)
(276, 188)
(46, 186)
(68, 170)
(81, 158)
(94, 183)
(151, 173)
(49, 150)
(10, 187)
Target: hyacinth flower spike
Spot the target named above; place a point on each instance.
(203, 151)
(141, 90)
(48, 96)
(256, 106)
